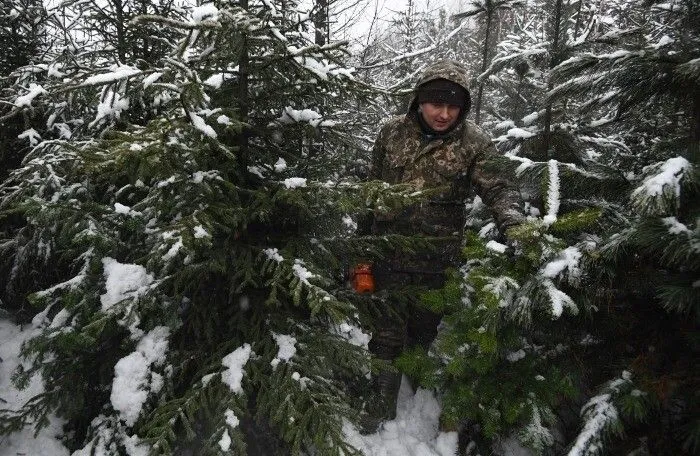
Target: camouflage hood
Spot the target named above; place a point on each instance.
(444, 69)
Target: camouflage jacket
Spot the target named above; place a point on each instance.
(463, 158)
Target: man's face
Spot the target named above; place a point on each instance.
(439, 116)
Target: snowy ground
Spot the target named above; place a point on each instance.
(414, 432)
(23, 443)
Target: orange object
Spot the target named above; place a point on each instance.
(362, 278)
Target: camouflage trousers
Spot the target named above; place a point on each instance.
(413, 326)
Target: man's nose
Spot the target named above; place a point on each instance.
(444, 112)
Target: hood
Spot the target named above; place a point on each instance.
(443, 69)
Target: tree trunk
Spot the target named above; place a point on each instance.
(694, 147)
(243, 98)
(121, 38)
(578, 19)
(554, 60)
(321, 22)
(484, 61)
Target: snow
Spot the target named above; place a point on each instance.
(287, 348)
(225, 441)
(60, 319)
(200, 232)
(674, 226)
(414, 431)
(231, 418)
(568, 259)
(619, 54)
(24, 442)
(174, 249)
(201, 125)
(520, 133)
(273, 254)
(558, 300)
(662, 178)
(111, 105)
(151, 78)
(665, 40)
(132, 375)
(496, 246)
(487, 230)
(353, 334)
(301, 272)
(118, 72)
(516, 355)
(32, 135)
(552, 193)
(216, 80)
(530, 118)
(280, 165)
(234, 362)
(205, 12)
(525, 163)
(26, 100)
(295, 182)
(224, 120)
(503, 288)
(313, 118)
(123, 281)
(349, 223)
(126, 210)
(504, 125)
(599, 412)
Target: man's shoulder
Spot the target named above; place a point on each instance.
(395, 123)
(393, 128)
(474, 133)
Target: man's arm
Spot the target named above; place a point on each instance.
(495, 184)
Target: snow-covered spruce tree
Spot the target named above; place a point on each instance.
(651, 88)
(63, 94)
(188, 265)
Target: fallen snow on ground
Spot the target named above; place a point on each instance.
(414, 432)
(23, 442)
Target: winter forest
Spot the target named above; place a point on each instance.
(183, 189)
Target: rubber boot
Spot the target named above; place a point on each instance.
(387, 343)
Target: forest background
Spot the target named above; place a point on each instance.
(180, 198)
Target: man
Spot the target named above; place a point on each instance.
(433, 146)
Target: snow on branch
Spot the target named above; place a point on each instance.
(117, 73)
(234, 362)
(418, 52)
(133, 377)
(601, 416)
(568, 259)
(26, 100)
(499, 63)
(558, 300)
(660, 190)
(553, 195)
